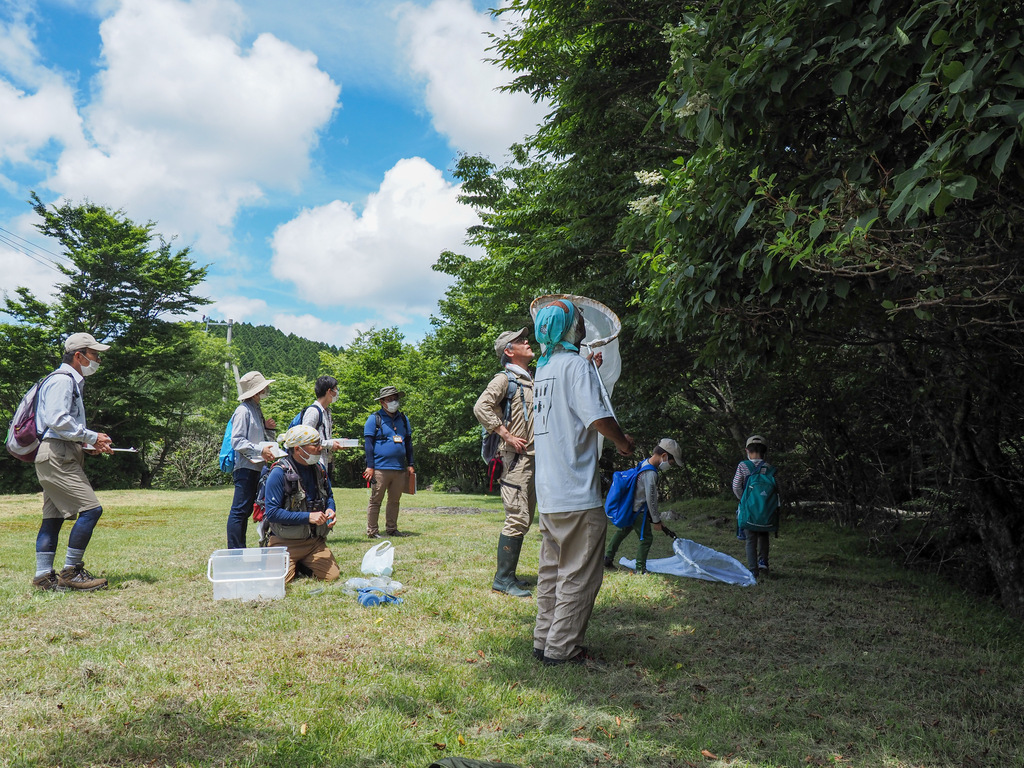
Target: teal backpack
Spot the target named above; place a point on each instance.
(759, 505)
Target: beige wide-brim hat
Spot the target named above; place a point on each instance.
(672, 447)
(252, 384)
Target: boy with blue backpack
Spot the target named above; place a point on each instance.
(645, 518)
(758, 512)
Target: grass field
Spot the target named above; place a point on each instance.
(839, 659)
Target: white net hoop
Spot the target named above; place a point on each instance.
(602, 327)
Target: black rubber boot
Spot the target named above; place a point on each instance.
(508, 558)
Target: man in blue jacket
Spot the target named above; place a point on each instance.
(300, 505)
(389, 464)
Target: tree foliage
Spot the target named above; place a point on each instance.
(121, 282)
(807, 215)
(272, 352)
(849, 177)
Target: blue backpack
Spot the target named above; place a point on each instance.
(759, 505)
(298, 418)
(227, 453)
(619, 504)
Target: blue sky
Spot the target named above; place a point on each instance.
(303, 150)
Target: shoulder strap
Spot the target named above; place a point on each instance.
(39, 386)
(753, 468)
(319, 415)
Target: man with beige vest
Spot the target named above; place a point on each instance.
(518, 493)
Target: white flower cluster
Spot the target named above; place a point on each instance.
(645, 206)
(649, 178)
(693, 105)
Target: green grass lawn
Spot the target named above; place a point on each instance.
(840, 658)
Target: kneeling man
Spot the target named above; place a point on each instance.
(300, 505)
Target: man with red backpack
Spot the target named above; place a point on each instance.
(505, 408)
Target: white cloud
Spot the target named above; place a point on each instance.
(31, 274)
(446, 44)
(312, 327)
(29, 260)
(37, 105)
(381, 259)
(187, 126)
(240, 309)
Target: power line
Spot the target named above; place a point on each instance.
(42, 260)
(30, 244)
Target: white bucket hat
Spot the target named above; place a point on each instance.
(252, 384)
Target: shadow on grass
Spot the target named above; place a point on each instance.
(124, 579)
(807, 668)
(172, 732)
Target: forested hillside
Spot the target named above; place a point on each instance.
(266, 349)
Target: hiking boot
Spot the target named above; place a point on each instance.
(48, 582)
(538, 654)
(373, 535)
(609, 564)
(395, 534)
(582, 659)
(77, 578)
(763, 565)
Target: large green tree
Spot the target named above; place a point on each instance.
(122, 283)
(849, 177)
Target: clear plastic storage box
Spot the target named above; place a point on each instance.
(248, 574)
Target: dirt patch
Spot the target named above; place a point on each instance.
(446, 510)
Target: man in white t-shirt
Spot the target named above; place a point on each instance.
(571, 414)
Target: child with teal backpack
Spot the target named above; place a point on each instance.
(758, 512)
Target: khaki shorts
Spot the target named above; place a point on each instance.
(66, 489)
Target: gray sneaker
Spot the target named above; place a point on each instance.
(48, 582)
(76, 577)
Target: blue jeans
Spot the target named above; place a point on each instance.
(246, 481)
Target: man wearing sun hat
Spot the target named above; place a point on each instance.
(300, 505)
(387, 440)
(59, 465)
(248, 430)
(512, 389)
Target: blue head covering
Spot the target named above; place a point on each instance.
(551, 324)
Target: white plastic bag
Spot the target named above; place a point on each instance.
(385, 584)
(379, 560)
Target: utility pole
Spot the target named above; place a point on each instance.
(227, 367)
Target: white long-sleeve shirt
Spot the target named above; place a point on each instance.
(60, 412)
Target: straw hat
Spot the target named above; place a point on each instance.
(252, 384)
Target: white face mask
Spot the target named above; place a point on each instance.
(391, 406)
(310, 459)
(91, 368)
(665, 466)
